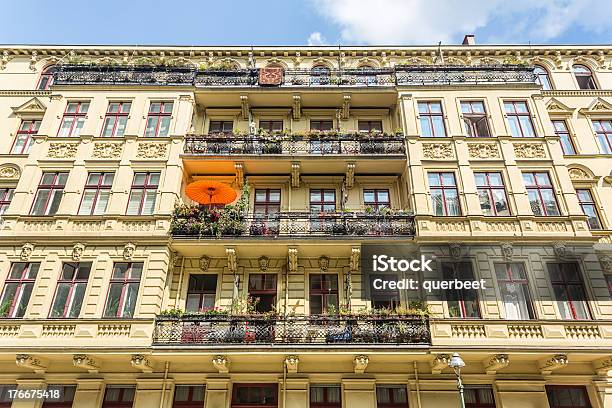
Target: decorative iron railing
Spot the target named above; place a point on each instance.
(307, 330)
(229, 145)
(293, 224)
(367, 77)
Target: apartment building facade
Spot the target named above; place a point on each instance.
(119, 291)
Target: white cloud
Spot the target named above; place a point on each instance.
(430, 21)
(316, 38)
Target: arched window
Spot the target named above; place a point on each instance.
(584, 77)
(542, 77)
(46, 78)
(319, 75)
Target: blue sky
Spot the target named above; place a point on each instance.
(299, 22)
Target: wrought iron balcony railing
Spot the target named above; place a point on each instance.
(292, 224)
(306, 330)
(293, 145)
(366, 77)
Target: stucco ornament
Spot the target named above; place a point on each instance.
(204, 263)
(529, 151)
(26, 251)
(62, 150)
(107, 150)
(77, 251)
(455, 250)
(264, 263)
(606, 263)
(324, 263)
(560, 249)
(483, 151)
(152, 150)
(507, 250)
(9, 172)
(128, 251)
(437, 151)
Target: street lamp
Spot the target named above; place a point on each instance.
(457, 363)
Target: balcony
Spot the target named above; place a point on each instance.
(296, 145)
(303, 330)
(401, 75)
(202, 223)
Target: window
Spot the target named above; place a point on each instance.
(6, 196)
(567, 396)
(96, 193)
(221, 126)
(461, 303)
(73, 120)
(188, 396)
(325, 396)
(66, 399)
(254, 395)
(391, 396)
(492, 194)
(584, 77)
(432, 119)
(542, 77)
(323, 294)
(70, 290)
(384, 298)
(564, 137)
(49, 194)
(5, 398)
(603, 133)
(444, 196)
(46, 78)
(158, 120)
(123, 290)
(143, 193)
(514, 289)
(262, 288)
(376, 199)
(18, 289)
(541, 195)
(272, 126)
(322, 200)
(475, 119)
(321, 125)
(118, 397)
(569, 290)
(370, 126)
(319, 75)
(267, 201)
(587, 203)
(23, 140)
(116, 119)
(519, 119)
(479, 397)
(201, 293)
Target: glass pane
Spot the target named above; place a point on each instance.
(528, 179)
(452, 202)
(434, 179)
(164, 127)
(65, 127)
(549, 202)
(136, 271)
(423, 107)
(87, 202)
(485, 202)
(7, 298)
(521, 107)
(61, 179)
(77, 299)
(501, 205)
(437, 203)
(54, 202)
(112, 303)
(151, 126)
(448, 179)
(78, 127)
(84, 107)
(120, 270)
(24, 298)
(515, 129)
(72, 107)
(108, 178)
(40, 201)
(527, 126)
(134, 203)
(102, 203)
(149, 202)
(426, 128)
(155, 107)
(122, 122)
(438, 123)
(113, 107)
(130, 300)
(495, 179)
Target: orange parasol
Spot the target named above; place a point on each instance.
(210, 192)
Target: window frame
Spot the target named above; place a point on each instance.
(429, 115)
(323, 293)
(24, 279)
(145, 187)
(489, 188)
(480, 404)
(315, 125)
(544, 74)
(460, 294)
(564, 134)
(98, 188)
(371, 125)
(190, 403)
(319, 205)
(602, 134)
(125, 282)
(221, 124)
(566, 285)
(120, 403)
(72, 282)
(237, 386)
(326, 403)
(591, 82)
(510, 279)
(582, 388)
(267, 204)
(61, 404)
(516, 114)
(392, 403)
(257, 293)
(592, 204)
(481, 116)
(159, 117)
(116, 116)
(28, 134)
(201, 293)
(6, 197)
(539, 188)
(53, 188)
(267, 125)
(75, 118)
(46, 78)
(377, 204)
(5, 400)
(443, 188)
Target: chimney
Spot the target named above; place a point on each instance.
(469, 39)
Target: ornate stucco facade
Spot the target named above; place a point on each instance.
(332, 149)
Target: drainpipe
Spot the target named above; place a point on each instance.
(284, 384)
(180, 283)
(163, 392)
(418, 389)
(286, 308)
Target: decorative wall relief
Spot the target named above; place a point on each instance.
(107, 150)
(62, 150)
(483, 151)
(437, 151)
(529, 151)
(152, 150)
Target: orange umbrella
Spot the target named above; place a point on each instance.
(210, 192)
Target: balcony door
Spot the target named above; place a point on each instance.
(266, 212)
(254, 395)
(323, 294)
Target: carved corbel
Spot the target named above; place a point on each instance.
(350, 175)
(603, 367)
(455, 250)
(547, 366)
(221, 363)
(497, 362)
(239, 167)
(295, 174)
(86, 362)
(292, 256)
(354, 261)
(33, 61)
(204, 263)
(297, 107)
(507, 250)
(560, 249)
(128, 251)
(244, 107)
(26, 251)
(232, 262)
(36, 364)
(77, 251)
(346, 107)
(360, 363)
(142, 363)
(291, 362)
(439, 363)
